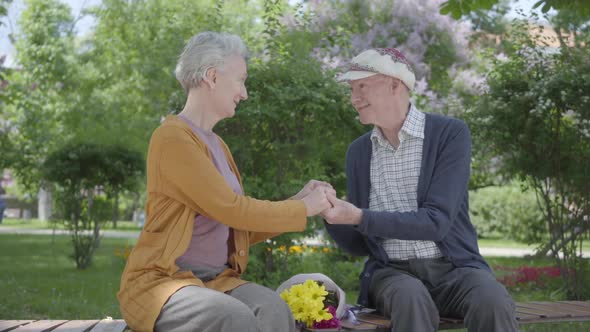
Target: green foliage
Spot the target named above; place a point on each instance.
(536, 116)
(292, 112)
(4, 8)
(272, 265)
(80, 174)
(507, 212)
(581, 6)
(33, 97)
(458, 8)
(82, 166)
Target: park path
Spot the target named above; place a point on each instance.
(485, 251)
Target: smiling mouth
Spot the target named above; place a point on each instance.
(362, 107)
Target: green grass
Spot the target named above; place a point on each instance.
(38, 224)
(501, 243)
(39, 281)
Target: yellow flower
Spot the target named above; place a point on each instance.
(321, 314)
(295, 249)
(307, 302)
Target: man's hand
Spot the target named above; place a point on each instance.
(342, 212)
(311, 186)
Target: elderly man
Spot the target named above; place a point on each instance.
(407, 186)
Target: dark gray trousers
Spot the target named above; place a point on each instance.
(414, 293)
(248, 308)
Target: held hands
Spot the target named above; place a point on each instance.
(320, 198)
(341, 212)
(309, 187)
(317, 200)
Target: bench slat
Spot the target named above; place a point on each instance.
(77, 326)
(6, 325)
(526, 313)
(40, 326)
(584, 305)
(110, 325)
(555, 308)
(573, 308)
(522, 317)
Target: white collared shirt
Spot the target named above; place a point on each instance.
(394, 182)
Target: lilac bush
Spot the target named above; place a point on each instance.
(435, 44)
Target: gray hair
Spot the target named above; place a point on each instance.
(204, 51)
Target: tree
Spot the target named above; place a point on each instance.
(86, 178)
(33, 97)
(458, 8)
(4, 8)
(536, 116)
(295, 126)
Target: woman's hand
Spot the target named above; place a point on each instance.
(309, 187)
(317, 200)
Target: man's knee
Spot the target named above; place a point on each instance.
(413, 291)
(493, 300)
(410, 299)
(493, 310)
(411, 308)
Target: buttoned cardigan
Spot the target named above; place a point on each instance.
(182, 182)
(443, 202)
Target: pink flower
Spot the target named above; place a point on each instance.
(328, 324)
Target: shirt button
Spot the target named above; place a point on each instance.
(242, 253)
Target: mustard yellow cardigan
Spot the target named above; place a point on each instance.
(181, 182)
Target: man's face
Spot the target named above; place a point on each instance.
(373, 97)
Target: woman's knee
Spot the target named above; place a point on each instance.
(268, 307)
(200, 309)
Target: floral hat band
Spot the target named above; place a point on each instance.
(386, 61)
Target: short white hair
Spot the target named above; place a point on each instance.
(204, 51)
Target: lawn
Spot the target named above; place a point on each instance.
(39, 281)
(38, 224)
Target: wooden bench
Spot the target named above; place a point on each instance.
(526, 313)
(104, 325)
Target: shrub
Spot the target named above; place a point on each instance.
(507, 212)
(86, 177)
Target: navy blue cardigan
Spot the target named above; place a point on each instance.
(443, 202)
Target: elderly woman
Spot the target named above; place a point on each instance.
(184, 272)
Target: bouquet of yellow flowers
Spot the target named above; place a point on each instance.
(313, 306)
(307, 302)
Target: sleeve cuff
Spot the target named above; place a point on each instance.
(363, 227)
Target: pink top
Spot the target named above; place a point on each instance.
(208, 249)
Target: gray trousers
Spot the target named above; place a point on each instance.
(247, 308)
(414, 293)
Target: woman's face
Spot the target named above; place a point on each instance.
(229, 88)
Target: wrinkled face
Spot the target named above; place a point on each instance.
(229, 88)
(373, 98)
